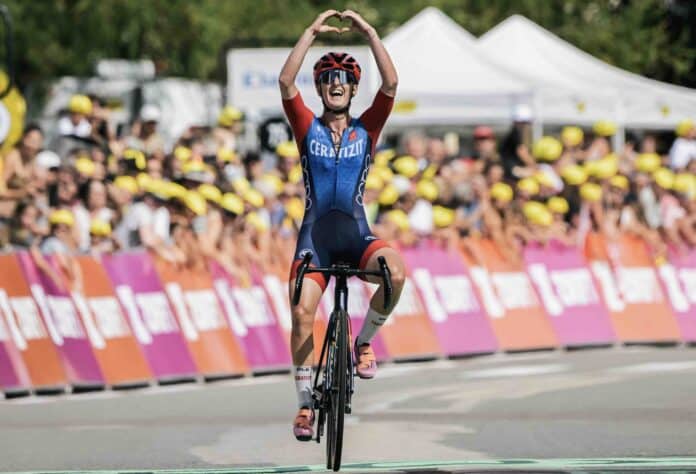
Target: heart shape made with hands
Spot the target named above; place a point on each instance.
(342, 19)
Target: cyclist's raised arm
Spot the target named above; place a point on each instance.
(384, 62)
(292, 65)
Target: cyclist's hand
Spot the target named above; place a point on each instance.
(319, 27)
(358, 23)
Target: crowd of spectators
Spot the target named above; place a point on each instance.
(95, 192)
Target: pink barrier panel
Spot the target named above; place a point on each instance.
(251, 319)
(569, 294)
(460, 323)
(140, 292)
(358, 304)
(678, 278)
(14, 376)
(63, 322)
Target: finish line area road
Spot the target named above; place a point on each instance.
(553, 407)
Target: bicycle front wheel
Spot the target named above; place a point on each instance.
(339, 388)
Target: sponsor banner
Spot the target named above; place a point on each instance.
(152, 320)
(631, 289)
(118, 353)
(29, 333)
(358, 305)
(678, 277)
(215, 350)
(569, 294)
(252, 321)
(460, 323)
(519, 321)
(63, 321)
(14, 376)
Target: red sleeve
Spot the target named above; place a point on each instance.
(299, 116)
(374, 118)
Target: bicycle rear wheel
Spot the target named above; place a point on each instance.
(339, 388)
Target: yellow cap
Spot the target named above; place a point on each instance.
(182, 153)
(685, 183)
(241, 185)
(619, 181)
(591, 192)
(274, 182)
(137, 155)
(537, 213)
(194, 166)
(406, 166)
(502, 192)
(574, 175)
(384, 173)
(257, 222)
(210, 192)
(684, 127)
(664, 178)
(544, 179)
(399, 218)
(174, 190)
(443, 216)
(648, 162)
(383, 157)
(603, 168)
(558, 204)
(143, 179)
(389, 195)
(287, 150)
(427, 189)
(295, 208)
(227, 155)
(547, 149)
(232, 203)
(62, 216)
(430, 171)
(295, 174)
(229, 115)
(100, 228)
(195, 202)
(528, 185)
(572, 136)
(85, 166)
(373, 182)
(80, 104)
(604, 128)
(254, 197)
(127, 183)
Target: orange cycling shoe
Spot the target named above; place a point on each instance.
(302, 426)
(365, 361)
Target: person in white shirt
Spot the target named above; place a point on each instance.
(684, 147)
(76, 123)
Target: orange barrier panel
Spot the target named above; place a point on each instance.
(215, 350)
(631, 290)
(118, 353)
(408, 332)
(518, 318)
(28, 330)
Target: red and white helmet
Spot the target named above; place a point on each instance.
(342, 61)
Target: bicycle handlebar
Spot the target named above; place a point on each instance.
(305, 268)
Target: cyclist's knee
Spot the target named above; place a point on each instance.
(398, 277)
(303, 317)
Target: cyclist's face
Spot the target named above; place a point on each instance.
(336, 95)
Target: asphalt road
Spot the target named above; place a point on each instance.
(599, 403)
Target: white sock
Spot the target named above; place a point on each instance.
(303, 384)
(373, 321)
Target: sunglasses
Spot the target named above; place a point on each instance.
(344, 77)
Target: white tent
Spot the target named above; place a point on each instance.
(443, 79)
(575, 87)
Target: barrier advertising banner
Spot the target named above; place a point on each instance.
(569, 294)
(63, 322)
(678, 278)
(460, 323)
(29, 333)
(631, 289)
(140, 293)
(214, 348)
(519, 321)
(118, 353)
(252, 321)
(14, 377)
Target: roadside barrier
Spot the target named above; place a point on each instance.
(131, 319)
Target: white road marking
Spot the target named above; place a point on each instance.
(655, 367)
(515, 371)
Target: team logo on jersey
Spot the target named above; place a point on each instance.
(303, 252)
(370, 237)
(352, 135)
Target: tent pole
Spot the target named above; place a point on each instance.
(619, 137)
(538, 118)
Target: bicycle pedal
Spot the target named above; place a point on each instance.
(348, 409)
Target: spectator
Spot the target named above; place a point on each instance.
(516, 147)
(76, 123)
(683, 149)
(15, 180)
(144, 135)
